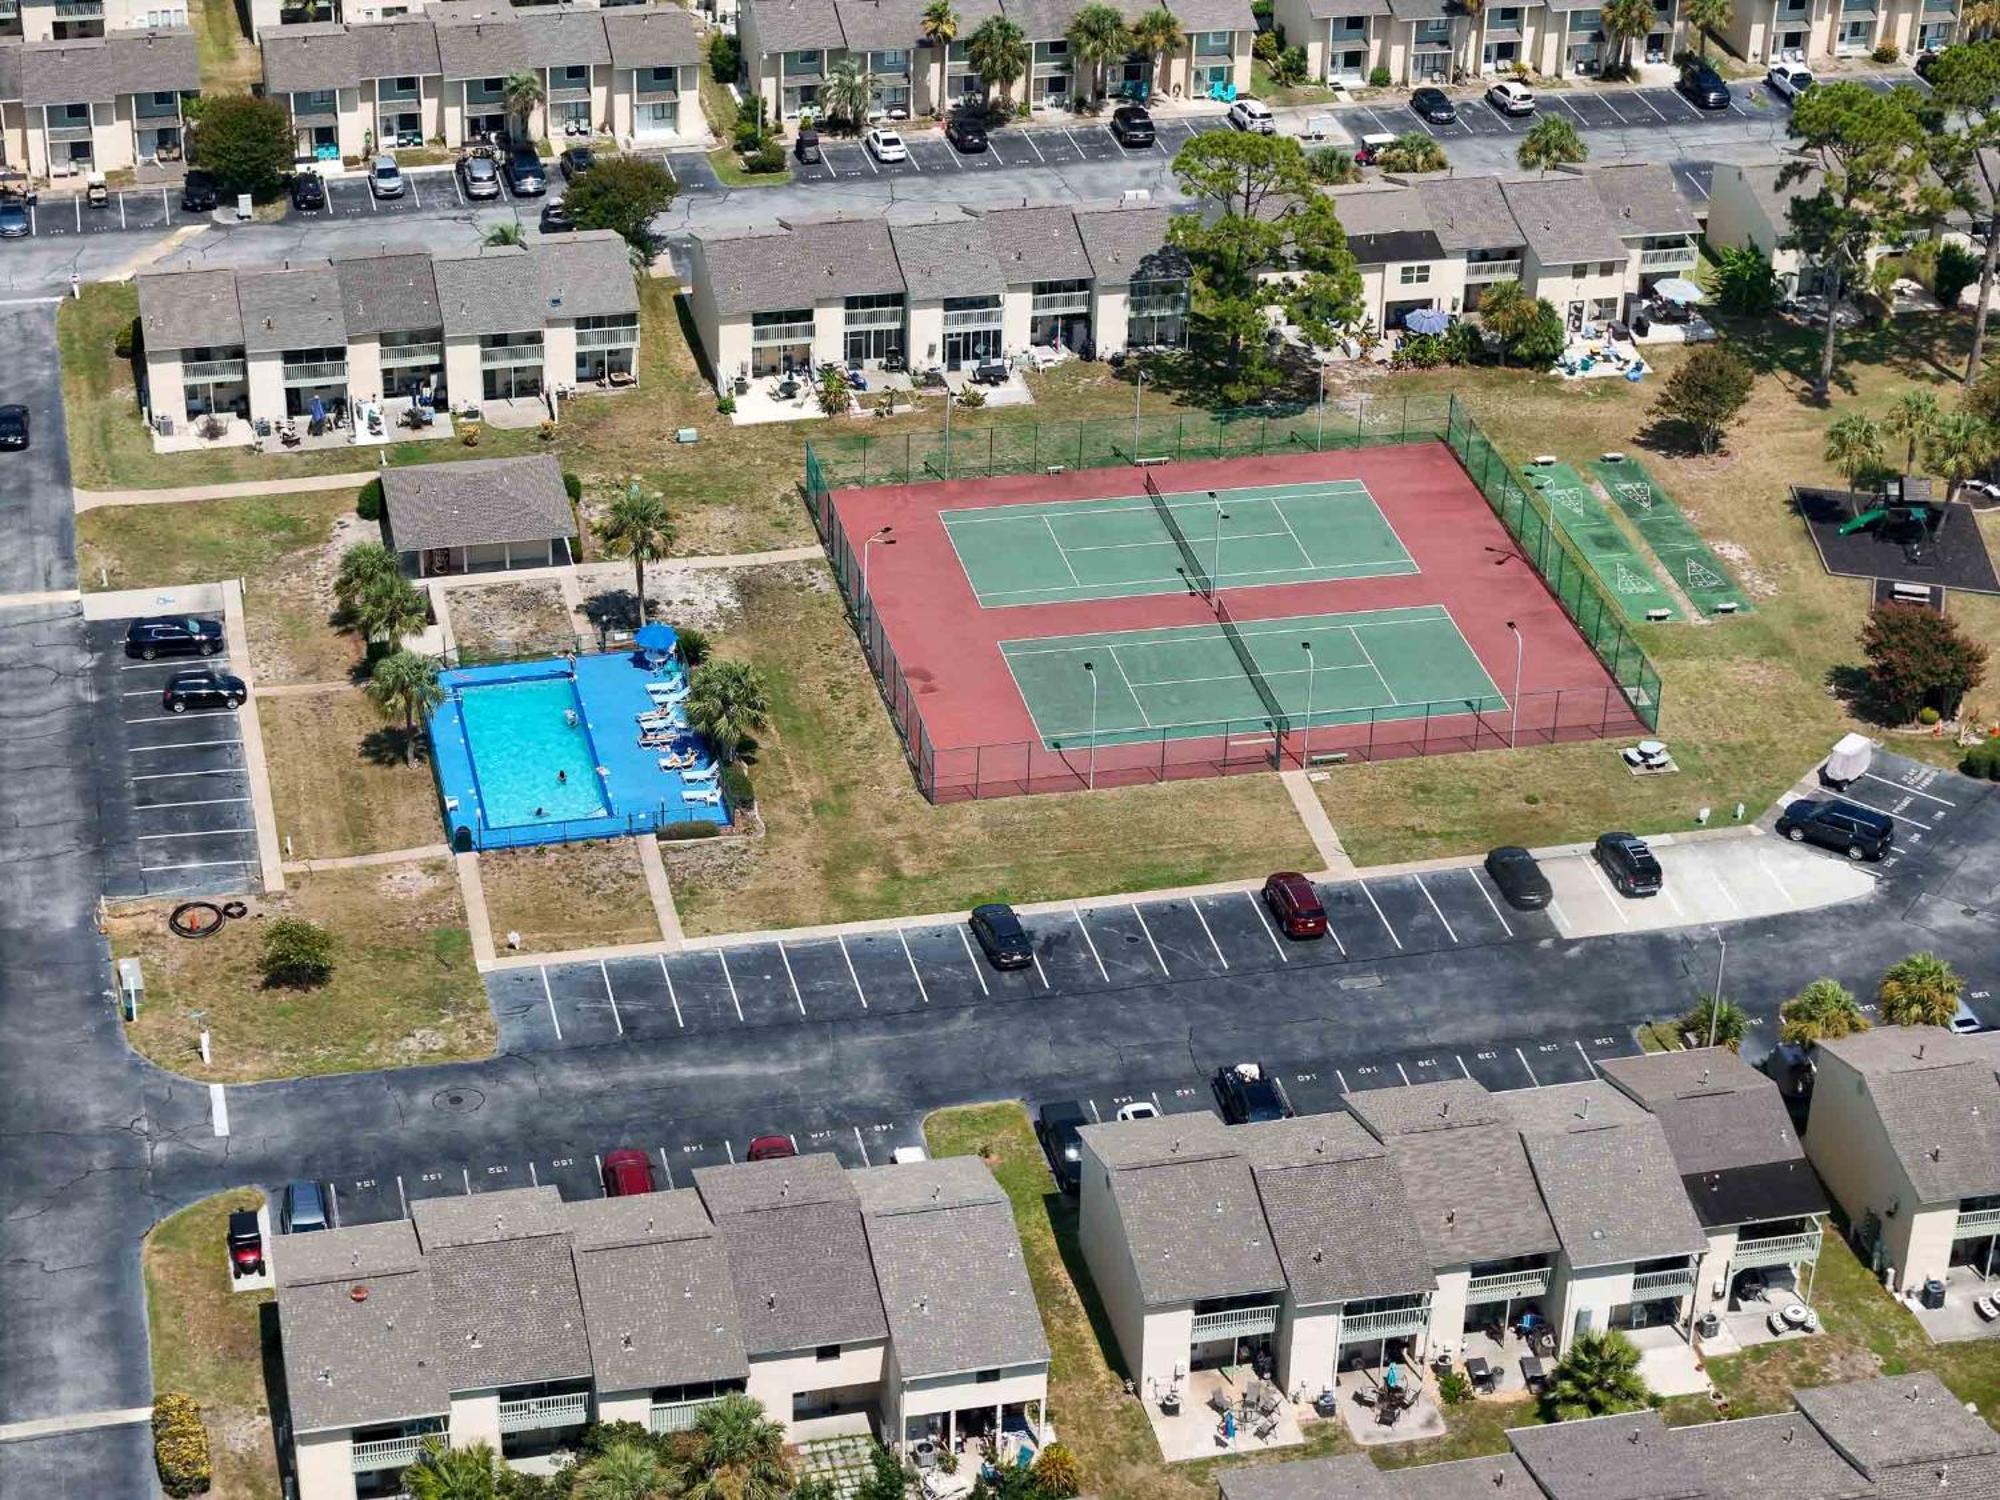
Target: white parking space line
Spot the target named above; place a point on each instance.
(1530, 1071)
(1480, 886)
(1283, 957)
(1772, 876)
(401, 1196)
(205, 864)
(414, 196)
(911, 959)
(159, 719)
(1461, 1065)
(1149, 939)
(465, 1176)
(869, 157)
(1610, 895)
(199, 833)
(1095, 1113)
(1077, 912)
(861, 1146)
(1384, 920)
(205, 802)
(731, 982)
(1913, 822)
(792, 978)
(535, 1178)
(971, 958)
(333, 1203)
(1029, 137)
(1449, 931)
(1910, 790)
(1572, 109)
(554, 1020)
(158, 662)
(1586, 1059)
(1196, 904)
(616, 1019)
(1650, 105)
(1668, 891)
(1405, 1075)
(672, 999)
(195, 745)
(1343, 1081)
(665, 1167)
(730, 1147)
(863, 994)
(1040, 972)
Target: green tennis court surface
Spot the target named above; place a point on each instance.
(1061, 551)
(1674, 540)
(1185, 682)
(1626, 576)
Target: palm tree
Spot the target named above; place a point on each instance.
(624, 1470)
(939, 27)
(636, 526)
(1157, 34)
(1508, 311)
(1626, 22)
(1730, 1021)
(1921, 990)
(1854, 446)
(998, 52)
(443, 1473)
(504, 234)
(1958, 447)
(1821, 1011)
(1096, 37)
(360, 567)
(848, 92)
(1551, 142)
(736, 1453)
(389, 609)
(524, 94)
(1912, 416)
(405, 683)
(1704, 16)
(728, 702)
(1599, 1376)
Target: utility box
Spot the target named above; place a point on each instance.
(131, 987)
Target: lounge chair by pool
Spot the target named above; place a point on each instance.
(708, 798)
(700, 776)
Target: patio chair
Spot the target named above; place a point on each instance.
(667, 692)
(712, 797)
(702, 775)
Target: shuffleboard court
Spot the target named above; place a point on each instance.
(1185, 682)
(1625, 575)
(1686, 557)
(1122, 547)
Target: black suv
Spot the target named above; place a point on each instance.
(1249, 1095)
(1434, 105)
(203, 687)
(524, 172)
(1703, 86)
(1629, 863)
(1002, 936)
(1056, 1127)
(13, 426)
(173, 635)
(966, 132)
(1132, 125)
(1858, 832)
(576, 161)
(308, 192)
(198, 193)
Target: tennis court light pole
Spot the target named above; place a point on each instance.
(1215, 552)
(1514, 717)
(1090, 671)
(1306, 748)
(1138, 395)
(886, 540)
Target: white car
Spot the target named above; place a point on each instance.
(1253, 115)
(385, 178)
(1511, 98)
(886, 145)
(1138, 1109)
(1789, 80)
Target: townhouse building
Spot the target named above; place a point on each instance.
(1748, 208)
(79, 20)
(790, 47)
(1765, 31)
(262, 344)
(1433, 41)
(99, 103)
(1905, 1131)
(843, 1302)
(267, 15)
(631, 73)
(980, 286)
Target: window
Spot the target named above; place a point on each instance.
(1215, 44)
(662, 114)
(165, 99)
(826, 1353)
(1415, 275)
(74, 114)
(1609, 268)
(894, 61)
(576, 77)
(407, 84)
(492, 85)
(802, 62)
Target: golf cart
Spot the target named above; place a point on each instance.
(808, 144)
(1372, 146)
(96, 191)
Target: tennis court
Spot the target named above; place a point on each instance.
(1686, 557)
(1188, 681)
(1192, 541)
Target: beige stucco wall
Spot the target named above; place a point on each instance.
(924, 322)
(559, 353)
(1596, 1291)
(1101, 1233)
(165, 394)
(267, 385)
(1017, 305)
(364, 369)
(1561, 285)
(937, 1395)
(1447, 1330)
(776, 1378)
(462, 376)
(1306, 1347)
(1110, 324)
(322, 1461)
(13, 134)
(475, 1418)
(625, 1406)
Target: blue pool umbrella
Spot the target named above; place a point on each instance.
(1427, 320)
(1680, 291)
(656, 638)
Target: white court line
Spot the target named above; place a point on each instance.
(1077, 912)
(1149, 940)
(863, 994)
(1449, 931)
(218, 1108)
(170, 775)
(616, 1019)
(1772, 876)
(206, 802)
(199, 833)
(1586, 1059)
(1524, 1063)
(728, 980)
(911, 959)
(1119, 662)
(1406, 1076)
(792, 978)
(1609, 894)
(1063, 553)
(1378, 913)
(672, 999)
(862, 1147)
(1912, 791)
(1283, 957)
(194, 745)
(1196, 904)
(554, 1021)
(971, 958)
(1480, 886)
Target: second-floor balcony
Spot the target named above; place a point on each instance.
(147, 107)
(619, 336)
(1973, 1221)
(79, 10)
(569, 1409)
(509, 356)
(1669, 258)
(423, 353)
(392, 1453)
(1387, 1323)
(874, 317)
(1530, 1281)
(1775, 1250)
(677, 1416)
(763, 335)
(217, 371)
(316, 372)
(1668, 1283)
(1236, 1323)
(1061, 302)
(1492, 270)
(67, 128)
(972, 317)
(657, 83)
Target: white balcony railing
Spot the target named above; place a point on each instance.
(678, 1416)
(765, 334)
(1061, 302)
(567, 1410)
(1775, 1250)
(1663, 1283)
(1236, 1323)
(1679, 258)
(318, 372)
(616, 337)
(972, 317)
(392, 1453)
(874, 317)
(1493, 270)
(1977, 1221)
(509, 356)
(1387, 1324)
(1532, 1282)
(412, 354)
(1169, 305)
(206, 370)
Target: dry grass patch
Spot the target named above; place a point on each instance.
(339, 780)
(208, 1342)
(403, 991)
(508, 620)
(562, 896)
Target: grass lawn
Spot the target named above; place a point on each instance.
(208, 1342)
(847, 835)
(403, 992)
(229, 60)
(339, 780)
(559, 896)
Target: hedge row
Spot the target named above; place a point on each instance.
(180, 1445)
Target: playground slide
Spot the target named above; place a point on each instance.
(1863, 521)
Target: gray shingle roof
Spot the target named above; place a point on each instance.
(1303, 1140)
(1898, 1420)
(1343, 1230)
(1196, 1229)
(948, 1182)
(508, 1312)
(189, 309)
(1420, 10)
(1194, 1136)
(1330, 10)
(747, 1186)
(653, 36)
(480, 1218)
(1037, 244)
(658, 1301)
(319, 55)
(479, 41)
(1472, 1194)
(954, 1287)
(1627, 1457)
(803, 1277)
(1938, 1097)
(641, 1219)
(797, 25)
(397, 49)
(774, 272)
(1449, 1105)
(952, 259)
(1719, 1112)
(1470, 213)
(587, 274)
(100, 70)
(1615, 1195)
(1642, 199)
(350, 1364)
(10, 70)
(883, 25)
(1562, 1107)
(1564, 221)
(1213, 15)
(387, 293)
(297, 308)
(1125, 244)
(1761, 182)
(495, 289)
(345, 1255)
(1499, 1476)
(1781, 1457)
(1350, 1476)
(467, 504)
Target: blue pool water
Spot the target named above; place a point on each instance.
(521, 735)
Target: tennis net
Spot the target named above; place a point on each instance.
(1197, 575)
(1258, 680)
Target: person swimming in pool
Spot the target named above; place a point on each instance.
(540, 814)
(562, 778)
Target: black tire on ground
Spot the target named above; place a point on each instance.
(234, 909)
(195, 919)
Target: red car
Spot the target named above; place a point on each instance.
(772, 1148)
(627, 1173)
(1295, 905)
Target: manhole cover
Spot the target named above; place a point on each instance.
(457, 1101)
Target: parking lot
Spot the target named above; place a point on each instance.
(173, 795)
(1033, 145)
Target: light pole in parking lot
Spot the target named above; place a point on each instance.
(1090, 671)
(1514, 709)
(1715, 1000)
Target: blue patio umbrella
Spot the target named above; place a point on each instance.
(656, 639)
(1427, 320)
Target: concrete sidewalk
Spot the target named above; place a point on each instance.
(305, 484)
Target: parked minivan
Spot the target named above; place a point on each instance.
(305, 1208)
(1858, 832)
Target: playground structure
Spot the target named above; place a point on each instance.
(1901, 534)
(1908, 518)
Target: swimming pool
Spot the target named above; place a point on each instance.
(531, 754)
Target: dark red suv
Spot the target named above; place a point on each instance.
(627, 1173)
(772, 1148)
(1295, 905)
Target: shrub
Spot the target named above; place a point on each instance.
(468, 435)
(297, 954)
(547, 431)
(769, 157)
(1420, 351)
(1333, 165)
(1887, 53)
(1928, 716)
(1917, 659)
(726, 406)
(1982, 760)
(1291, 67)
(1454, 1388)
(725, 57)
(1056, 1472)
(368, 504)
(1463, 344)
(1957, 268)
(736, 788)
(180, 1445)
(695, 645)
(1267, 47)
(572, 487)
(695, 828)
(212, 427)
(1378, 78)
(972, 396)
(126, 339)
